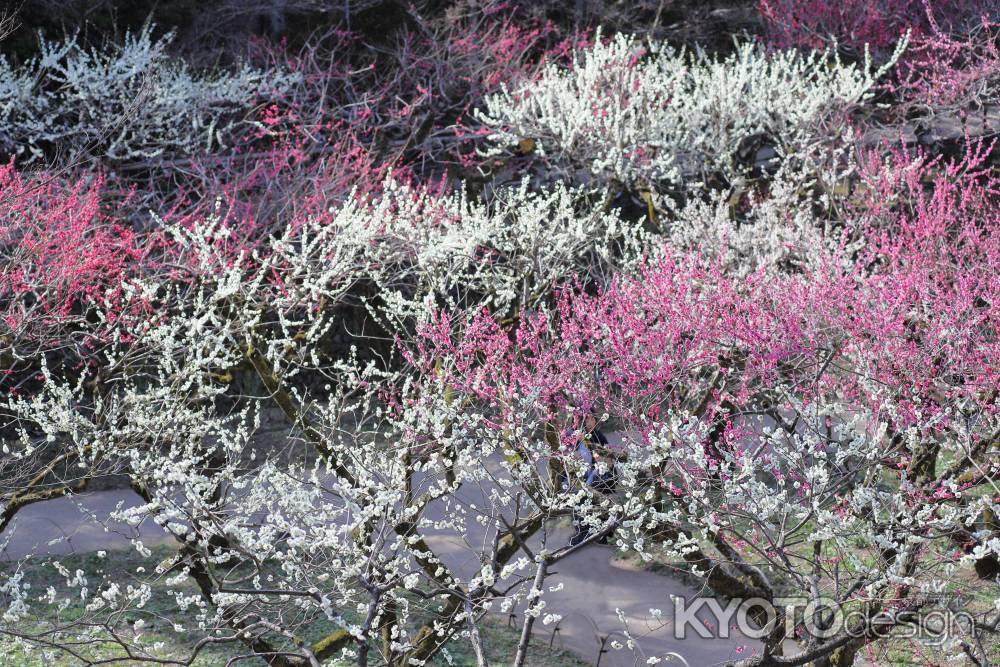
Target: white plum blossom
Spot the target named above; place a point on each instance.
(132, 100)
(639, 112)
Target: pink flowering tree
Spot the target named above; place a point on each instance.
(825, 434)
(879, 24)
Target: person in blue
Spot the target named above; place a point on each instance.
(588, 446)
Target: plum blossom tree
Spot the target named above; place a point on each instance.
(61, 251)
(640, 114)
(857, 23)
(827, 432)
(126, 102)
(155, 405)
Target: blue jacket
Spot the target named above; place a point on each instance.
(584, 452)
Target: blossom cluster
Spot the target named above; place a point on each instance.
(640, 113)
(125, 102)
(856, 23)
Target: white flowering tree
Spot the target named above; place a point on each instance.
(126, 102)
(644, 115)
(336, 536)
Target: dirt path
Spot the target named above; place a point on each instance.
(76, 524)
